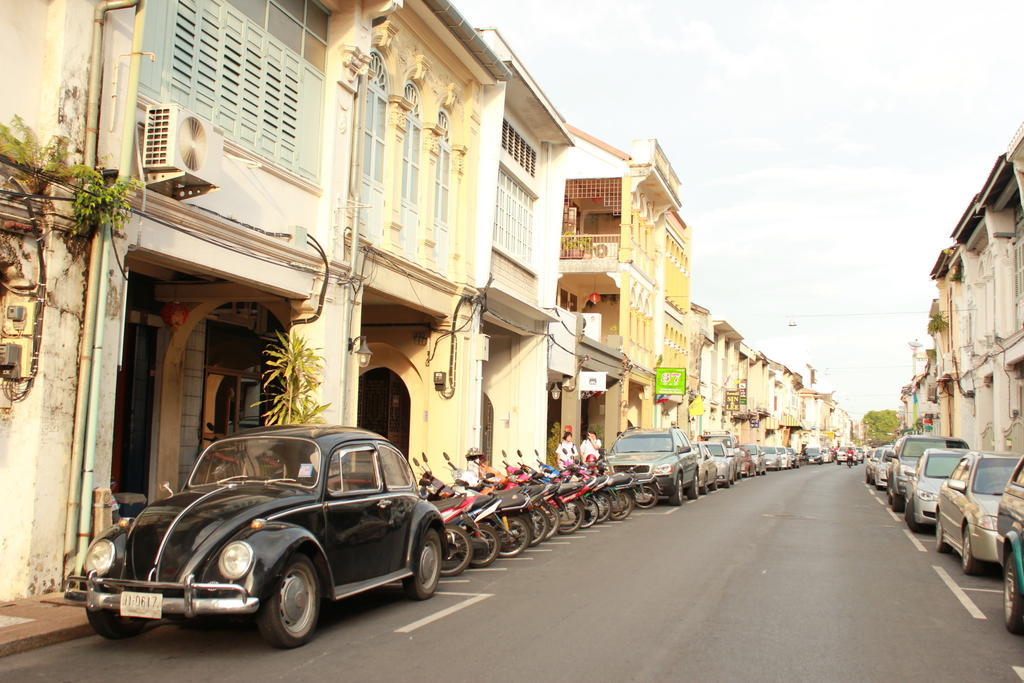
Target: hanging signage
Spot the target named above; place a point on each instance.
(670, 381)
(755, 423)
(732, 400)
(593, 381)
(742, 388)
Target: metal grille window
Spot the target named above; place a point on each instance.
(442, 189)
(235, 64)
(513, 219)
(513, 143)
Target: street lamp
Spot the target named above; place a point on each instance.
(358, 346)
(914, 346)
(556, 392)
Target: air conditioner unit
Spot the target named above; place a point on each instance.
(182, 154)
(592, 325)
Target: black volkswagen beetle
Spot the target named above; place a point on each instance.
(272, 520)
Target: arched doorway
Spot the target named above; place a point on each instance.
(487, 433)
(384, 406)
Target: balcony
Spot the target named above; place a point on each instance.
(583, 253)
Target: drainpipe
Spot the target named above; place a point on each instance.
(355, 177)
(89, 332)
(105, 242)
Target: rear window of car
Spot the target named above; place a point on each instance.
(940, 465)
(715, 448)
(643, 443)
(812, 451)
(992, 474)
(916, 447)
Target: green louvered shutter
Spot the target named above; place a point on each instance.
(215, 62)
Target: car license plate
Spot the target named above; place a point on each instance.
(144, 605)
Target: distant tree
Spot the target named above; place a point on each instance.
(880, 426)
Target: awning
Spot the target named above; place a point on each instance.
(789, 421)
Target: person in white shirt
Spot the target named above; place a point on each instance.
(566, 451)
(590, 449)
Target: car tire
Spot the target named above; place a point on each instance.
(114, 626)
(940, 538)
(898, 503)
(426, 570)
(703, 490)
(485, 549)
(676, 496)
(908, 517)
(287, 618)
(714, 486)
(1013, 601)
(692, 492)
(460, 551)
(867, 478)
(970, 565)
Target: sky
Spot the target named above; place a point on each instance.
(826, 150)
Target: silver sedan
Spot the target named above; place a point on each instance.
(968, 506)
(922, 488)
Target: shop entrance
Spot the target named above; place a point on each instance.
(384, 406)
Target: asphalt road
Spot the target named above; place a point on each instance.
(797, 576)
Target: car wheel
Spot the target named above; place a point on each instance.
(1013, 601)
(460, 551)
(427, 568)
(114, 626)
(897, 503)
(703, 490)
(676, 496)
(485, 548)
(288, 617)
(692, 492)
(867, 478)
(714, 486)
(940, 538)
(970, 565)
(908, 516)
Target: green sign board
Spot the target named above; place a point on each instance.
(670, 381)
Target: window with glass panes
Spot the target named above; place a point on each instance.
(411, 168)
(254, 68)
(513, 219)
(375, 104)
(1018, 267)
(442, 188)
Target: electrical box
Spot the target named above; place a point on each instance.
(10, 361)
(440, 379)
(483, 351)
(17, 316)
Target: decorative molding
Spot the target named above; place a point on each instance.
(354, 63)
(384, 35)
(418, 70)
(451, 95)
(459, 158)
(397, 115)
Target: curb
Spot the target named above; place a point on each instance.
(43, 639)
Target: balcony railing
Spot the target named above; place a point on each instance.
(590, 247)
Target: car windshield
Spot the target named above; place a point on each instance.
(715, 448)
(992, 475)
(643, 443)
(749, 447)
(289, 461)
(812, 451)
(940, 465)
(916, 447)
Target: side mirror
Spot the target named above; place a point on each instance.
(684, 449)
(957, 485)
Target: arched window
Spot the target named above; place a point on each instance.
(374, 122)
(442, 189)
(411, 170)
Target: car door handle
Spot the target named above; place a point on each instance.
(384, 504)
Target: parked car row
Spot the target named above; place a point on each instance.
(974, 500)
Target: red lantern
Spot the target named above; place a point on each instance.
(174, 313)
(594, 298)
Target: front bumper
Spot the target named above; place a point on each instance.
(188, 599)
(924, 511)
(665, 483)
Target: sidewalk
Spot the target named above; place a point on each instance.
(42, 620)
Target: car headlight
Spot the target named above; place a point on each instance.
(662, 469)
(988, 522)
(926, 495)
(235, 560)
(99, 557)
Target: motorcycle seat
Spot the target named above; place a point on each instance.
(481, 501)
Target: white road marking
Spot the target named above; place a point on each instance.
(983, 590)
(880, 501)
(13, 621)
(917, 543)
(472, 600)
(968, 604)
(515, 558)
(558, 543)
(669, 512)
(893, 515)
(454, 581)
(539, 550)
(1019, 670)
(687, 502)
(487, 569)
